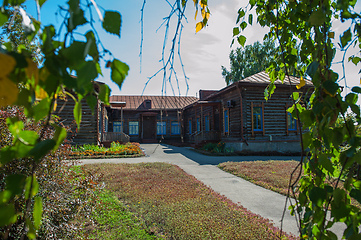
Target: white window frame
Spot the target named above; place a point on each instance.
(117, 125)
(161, 128)
(175, 130)
(133, 128)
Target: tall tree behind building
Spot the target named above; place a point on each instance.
(12, 32)
(249, 60)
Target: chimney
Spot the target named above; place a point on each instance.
(148, 104)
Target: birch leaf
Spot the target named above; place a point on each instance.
(199, 26)
(9, 91)
(301, 84)
(32, 71)
(7, 64)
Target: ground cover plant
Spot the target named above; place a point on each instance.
(273, 175)
(116, 150)
(178, 206)
(113, 220)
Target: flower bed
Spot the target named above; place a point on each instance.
(116, 150)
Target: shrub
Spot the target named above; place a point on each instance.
(66, 194)
(209, 146)
(216, 147)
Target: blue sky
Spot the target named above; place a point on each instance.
(202, 53)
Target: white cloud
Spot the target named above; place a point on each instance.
(203, 53)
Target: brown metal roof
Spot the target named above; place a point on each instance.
(261, 79)
(157, 102)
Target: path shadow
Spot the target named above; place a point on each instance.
(215, 160)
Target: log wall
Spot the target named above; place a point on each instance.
(87, 134)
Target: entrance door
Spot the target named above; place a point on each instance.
(149, 127)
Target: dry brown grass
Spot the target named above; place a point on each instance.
(178, 206)
(273, 175)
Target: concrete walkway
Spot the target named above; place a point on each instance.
(258, 200)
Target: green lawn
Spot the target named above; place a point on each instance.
(113, 220)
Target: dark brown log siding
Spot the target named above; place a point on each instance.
(274, 114)
(234, 115)
(275, 123)
(133, 115)
(88, 132)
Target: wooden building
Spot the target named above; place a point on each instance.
(147, 118)
(93, 121)
(240, 116)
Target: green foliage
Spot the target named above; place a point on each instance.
(55, 193)
(248, 60)
(333, 147)
(209, 146)
(113, 219)
(116, 150)
(216, 148)
(36, 67)
(13, 35)
(112, 22)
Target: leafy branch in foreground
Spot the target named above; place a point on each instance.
(35, 88)
(333, 157)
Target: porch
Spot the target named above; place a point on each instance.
(108, 137)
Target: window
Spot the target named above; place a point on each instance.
(100, 122)
(106, 125)
(190, 126)
(226, 121)
(206, 123)
(161, 128)
(291, 122)
(257, 118)
(257, 113)
(117, 126)
(175, 127)
(198, 125)
(133, 128)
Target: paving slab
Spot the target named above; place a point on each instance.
(258, 200)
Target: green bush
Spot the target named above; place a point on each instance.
(216, 147)
(209, 146)
(66, 193)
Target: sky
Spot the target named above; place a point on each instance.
(202, 53)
